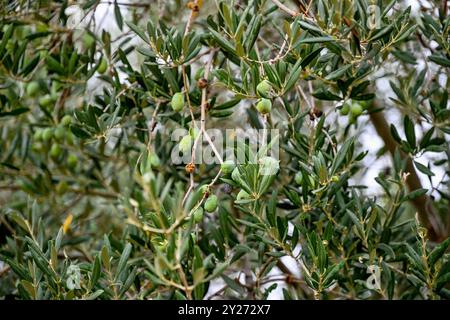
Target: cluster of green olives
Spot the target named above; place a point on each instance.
(353, 110)
(50, 140)
(264, 105)
(47, 100)
(210, 205)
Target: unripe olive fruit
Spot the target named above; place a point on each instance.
(335, 178)
(185, 144)
(36, 146)
(59, 133)
(198, 215)
(32, 88)
(227, 166)
(155, 162)
(66, 120)
(55, 151)
(356, 109)
(47, 134)
(298, 178)
(70, 137)
(46, 101)
(242, 195)
(72, 161)
(56, 87)
(203, 188)
(38, 135)
(263, 88)
(102, 66)
(177, 102)
(88, 40)
(211, 203)
(345, 109)
(264, 106)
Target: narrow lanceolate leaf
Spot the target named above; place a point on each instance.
(441, 60)
(338, 73)
(416, 193)
(381, 33)
(316, 40)
(438, 251)
(118, 15)
(409, 132)
(138, 31)
(395, 134)
(424, 169)
(293, 76)
(123, 259)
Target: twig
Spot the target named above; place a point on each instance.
(285, 9)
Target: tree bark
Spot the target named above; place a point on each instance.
(423, 204)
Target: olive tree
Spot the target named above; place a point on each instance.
(219, 149)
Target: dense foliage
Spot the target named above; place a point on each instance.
(92, 205)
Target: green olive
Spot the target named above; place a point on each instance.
(59, 134)
(72, 161)
(66, 120)
(264, 88)
(228, 166)
(211, 203)
(102, 66)
(32, 88)
(312, 182)
(298, 178)
(38, 135)
(155, 162)
(356, 109)
(335, 178)
(46, 100)
(47, 134)
(88, 40)
(70, 138)
(177, 102)
(345, 109)
(202, 189)
(37, 146)
(264, 106)
(198, 215)
(55, 151)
